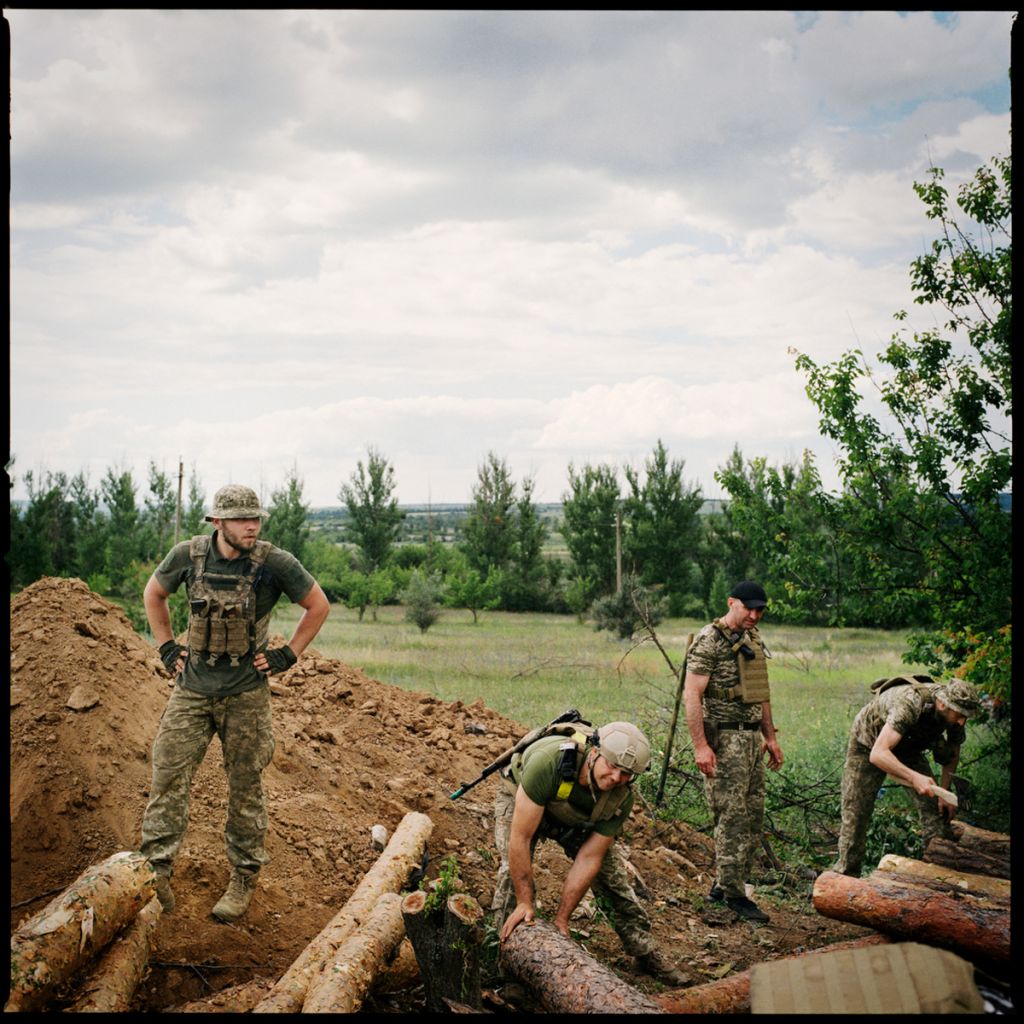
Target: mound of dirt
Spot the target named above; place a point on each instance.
(87, 693)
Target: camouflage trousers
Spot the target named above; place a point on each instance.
(243, 724)
(611, 883)
(735, 798)
(861, 783)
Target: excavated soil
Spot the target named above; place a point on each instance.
(86, 696)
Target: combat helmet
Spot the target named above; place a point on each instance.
(623, 745)
(236, 502)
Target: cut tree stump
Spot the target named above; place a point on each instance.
(346, 979)
(53, 945)
(447, 943)
(565, 977)
(976, 927)
(402, 855)
(111, 984)
(978, 885)
(976, 850)
(732, 994)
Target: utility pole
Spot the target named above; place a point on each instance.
(618, 551)
(177, 509)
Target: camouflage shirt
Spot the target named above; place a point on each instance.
(281, 574)
(711, 655)
(909, 713)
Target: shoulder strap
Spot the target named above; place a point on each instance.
(198, 548)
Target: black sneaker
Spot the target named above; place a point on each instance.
(717, 894)
(747, 909)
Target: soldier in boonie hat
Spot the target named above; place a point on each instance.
(960, 696)
(236, 501)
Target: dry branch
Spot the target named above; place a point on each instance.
(565, 977)
(53, 945)
(391, 871)
(344, 982)
(976, 927)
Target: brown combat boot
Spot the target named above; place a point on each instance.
(658, 967)
(164, 893)
(235, 901)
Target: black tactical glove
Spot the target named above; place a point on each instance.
(169, 654)
(279, 659)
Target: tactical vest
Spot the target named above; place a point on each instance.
(928, 732)
(609, 803)
(753, 685)
(222, 606)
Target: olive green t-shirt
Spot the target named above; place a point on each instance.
(282, 573)
(538, 775)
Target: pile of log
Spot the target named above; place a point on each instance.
(975, 850)
(906, 899)
(94, 939)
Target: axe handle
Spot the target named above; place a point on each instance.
(947, 795)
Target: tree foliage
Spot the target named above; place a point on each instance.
(925, 476)
(288, 523)
(588, 526)
(371, 502)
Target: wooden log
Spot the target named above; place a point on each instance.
(346, 979)
(976, 927)
(732, 994)
(390, 873)
(111, 984)
(980, 885)
(401, 973)
(447, 943)
(975, 850)
(565, 977)
(53, 945)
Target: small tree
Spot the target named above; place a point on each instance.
(421, 598)
(618, 613)
(288, 524)
(376, 517)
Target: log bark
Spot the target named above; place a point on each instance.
(53, 945)
(111, 984)
(447, 944)
(346, 979)
(957, 881)
(976, 850)
(732, 994)
(401, 973)
(565, 977)
(390, 873)
(976, 927)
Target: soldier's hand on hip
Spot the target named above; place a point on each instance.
(173, 655)
(278, 659)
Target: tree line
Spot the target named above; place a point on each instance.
(917, 536)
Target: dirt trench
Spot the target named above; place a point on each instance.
(86, 697)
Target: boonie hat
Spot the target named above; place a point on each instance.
(750, 593)
(961, 696)
(236, 502)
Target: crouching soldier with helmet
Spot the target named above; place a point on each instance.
(233, 581)
(907, 717)
(577, 790)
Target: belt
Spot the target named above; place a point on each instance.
(744, 726)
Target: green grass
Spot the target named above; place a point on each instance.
(532, 667)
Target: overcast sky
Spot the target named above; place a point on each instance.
(271, 239)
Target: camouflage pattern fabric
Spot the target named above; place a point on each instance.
(861, 784)
(611, 883)
(899, 706)
(712, 656)
(243, 723)
(735, 797)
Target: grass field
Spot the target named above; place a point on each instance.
(532, 667)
